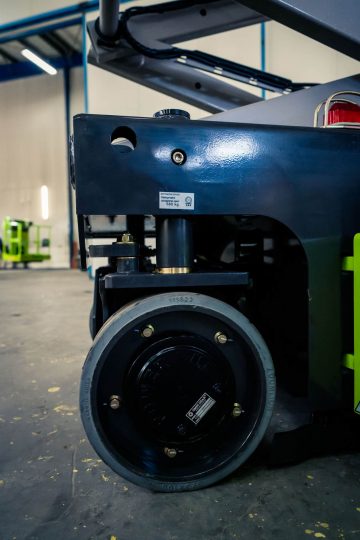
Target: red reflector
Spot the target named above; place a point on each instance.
(344, 112)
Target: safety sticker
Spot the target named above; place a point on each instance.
(169, 200)
(358, 408)
(201, 407)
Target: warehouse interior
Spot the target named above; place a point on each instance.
(69, 472)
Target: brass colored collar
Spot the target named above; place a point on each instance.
(174, 270)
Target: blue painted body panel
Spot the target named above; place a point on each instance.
(308, 179)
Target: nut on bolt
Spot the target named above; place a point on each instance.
(178, 157)
(115, 402)
(147, 331)
(237, 410)
(170, 452)
(221, 338)
(127, 238)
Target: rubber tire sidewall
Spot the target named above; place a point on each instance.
(158, 303)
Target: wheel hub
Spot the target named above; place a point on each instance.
(180, 389)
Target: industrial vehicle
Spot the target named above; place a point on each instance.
(20, 238)
(236, 272)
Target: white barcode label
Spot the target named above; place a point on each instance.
(169, 200)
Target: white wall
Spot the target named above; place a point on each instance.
(33, 152)
(297, 57)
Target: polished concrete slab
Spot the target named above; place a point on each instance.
(53, 486)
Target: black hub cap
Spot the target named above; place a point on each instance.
(180, 389)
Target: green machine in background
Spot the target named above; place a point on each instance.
(20, 236)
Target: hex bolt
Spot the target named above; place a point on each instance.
(170, 452)
(237, 410)
(115, 402)
(147, 331)
(221, 338)
(178, 157)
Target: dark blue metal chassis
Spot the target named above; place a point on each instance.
(307, 179)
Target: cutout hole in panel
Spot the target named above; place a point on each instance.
(124, 139)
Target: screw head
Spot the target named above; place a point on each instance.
(170, 452)
(221, 338)
(147, 331)
(237, 410)
(115, 402)
(178, 157)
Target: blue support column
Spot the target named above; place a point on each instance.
(263, 52)
(84, 59)
(67, 95)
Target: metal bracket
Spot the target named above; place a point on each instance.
(117, 249)
(197, 279)
(164, 27)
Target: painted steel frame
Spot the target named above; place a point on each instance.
(172, 77)
(330, 22)
(321, 20)
(280, 173)
(295, 109)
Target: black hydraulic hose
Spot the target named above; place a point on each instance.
(109, 18)
(253, 76)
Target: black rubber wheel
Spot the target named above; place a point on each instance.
(92, 323)
(189, 410)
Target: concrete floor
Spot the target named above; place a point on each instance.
(52, 485)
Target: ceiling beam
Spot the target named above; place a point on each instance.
(47, 38)
(63, 43)
(31, 47)
(8, 56)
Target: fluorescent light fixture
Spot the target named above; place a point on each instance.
(35, 59)
(44, 193)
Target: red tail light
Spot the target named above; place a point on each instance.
(341, 112)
